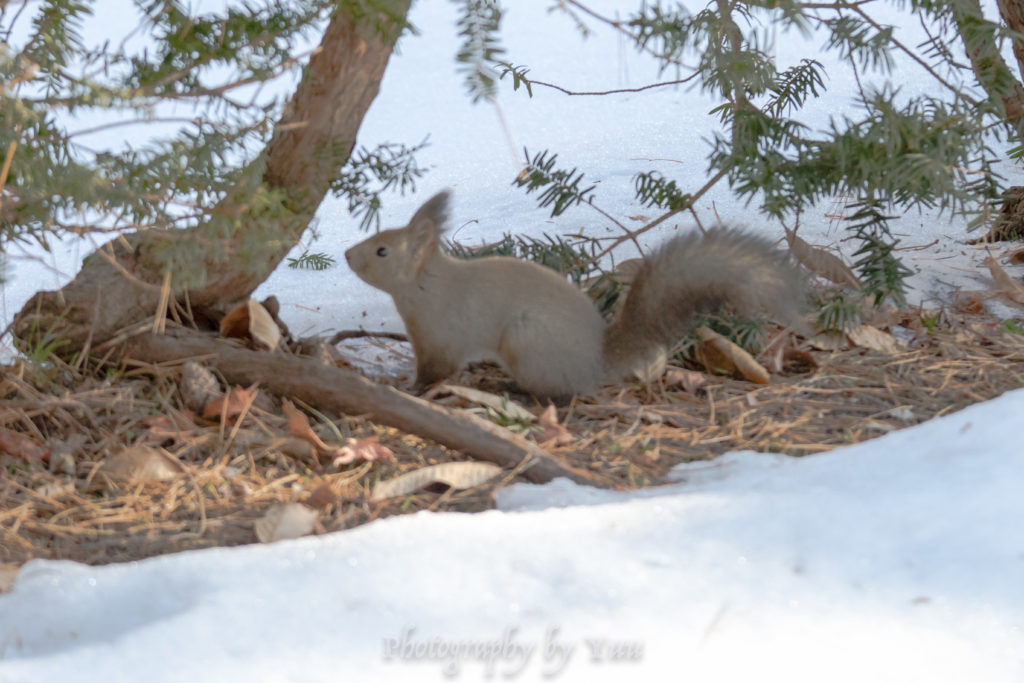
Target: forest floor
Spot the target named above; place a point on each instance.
(106, 463)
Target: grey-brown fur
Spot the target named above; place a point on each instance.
(698, 273)
(543, 330)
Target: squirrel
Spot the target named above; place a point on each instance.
(546, 332)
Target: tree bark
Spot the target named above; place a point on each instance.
(993, 73)
(1012, 12)
(118, 285)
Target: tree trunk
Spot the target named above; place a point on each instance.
(119, 284)
(993, 73)
(1012, 12)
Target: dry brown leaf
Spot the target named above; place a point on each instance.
(366, 448)
(198, 386)
(22, 446)
(553, 434)
(298, 425)
(497, 403)
(176, 426)
(820, 261)
(1017, 258)
(458, 475)
(283, 521)
(718, 353)
(262, 326)
(689, 380)
(251, 320)
(870, 337)
(235, 403)
(322, 496)
(235, 323)
(140, 463)
(968, 302)
(1004, 283)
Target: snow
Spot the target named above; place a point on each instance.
(900, 558)
(896, 559)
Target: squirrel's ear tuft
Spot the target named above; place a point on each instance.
(433, 213)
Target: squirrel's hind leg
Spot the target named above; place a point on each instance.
(431, 369)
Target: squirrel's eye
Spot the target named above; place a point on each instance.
(382, 252)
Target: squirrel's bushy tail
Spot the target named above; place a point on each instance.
(694, 274)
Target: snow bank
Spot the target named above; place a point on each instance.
(900, 558)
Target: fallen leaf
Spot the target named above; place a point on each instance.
(718, 353)
(689, 380)
(458, 475)
(141, 463)
(235, 323)
(322, 496)
(21, 445)
(176, 426)
(552, 433)
(1017, 258)
(1004, 283)
(361, 449)
(283, 521)
(497, 403)
(234, 404)
(252, 321)
(298, 425)
(367, 448)
(820, 261)
(968, 302)
(870, 337)
(263, 327)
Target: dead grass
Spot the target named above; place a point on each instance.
(60, 502)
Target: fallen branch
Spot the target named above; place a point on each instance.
(362, 334)
(344, 391)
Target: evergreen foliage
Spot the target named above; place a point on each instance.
(311, 261)
(568, 255)
(195, 83)
(837, 313)
(369, 173)
(895, 153)
(198, 77)
(478, 54)
(561, 188)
